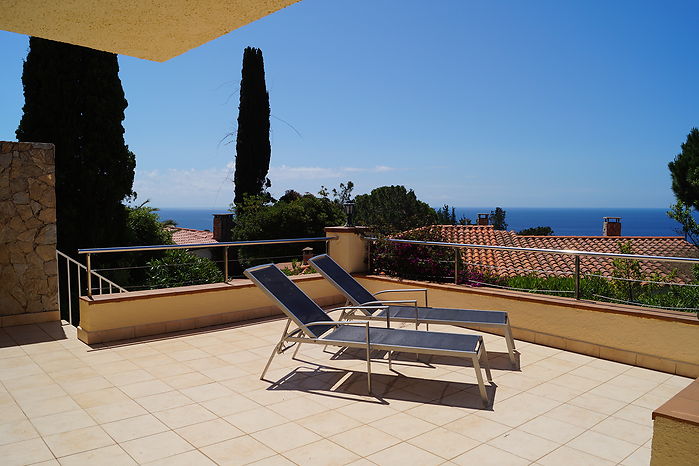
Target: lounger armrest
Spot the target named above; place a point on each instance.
(335, 322)
(406, 290)
(393, 301)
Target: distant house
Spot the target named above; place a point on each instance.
(511, 263)
(222, 223)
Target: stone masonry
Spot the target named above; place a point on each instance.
(28, 269)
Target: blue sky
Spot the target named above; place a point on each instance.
(471, 103)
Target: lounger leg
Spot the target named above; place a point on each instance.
(510, 344)
(389, 361)
(298, 345)
(479, 377)
(368, 359)
(269, 361)
(486, 363)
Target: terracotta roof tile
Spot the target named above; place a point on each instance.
(191, 236)
(510, 263)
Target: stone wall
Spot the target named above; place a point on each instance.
(28, 270)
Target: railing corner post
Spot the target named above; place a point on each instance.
(89, 275)
(577, 277)
(225, 264)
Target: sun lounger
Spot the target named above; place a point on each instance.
(409, 311)
(316, 326)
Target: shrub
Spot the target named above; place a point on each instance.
(179, 267)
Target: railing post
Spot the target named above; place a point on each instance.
(225, 264)
(577, 276)
(89, 275)
(456, 266)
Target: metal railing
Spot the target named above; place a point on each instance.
(77, 270)
(165, 247)
(576, 254)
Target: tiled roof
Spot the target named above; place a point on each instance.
(510, 263)
(191, 236)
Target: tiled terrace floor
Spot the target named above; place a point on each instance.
(196, 399)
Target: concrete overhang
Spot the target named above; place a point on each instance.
(152, 29)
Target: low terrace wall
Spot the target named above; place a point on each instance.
(141, 313)
(659, 340)
(676, 429)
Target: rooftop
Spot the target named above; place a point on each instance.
(196, 398)
(518, 262)
(191, 236)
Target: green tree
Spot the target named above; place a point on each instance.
(293, 216)
(391, 209)
(252, 148)
(536, 231)
(684, 170)
(181, 268)
(73, 98)
(447, 216)
(497, 219)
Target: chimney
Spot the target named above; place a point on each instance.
(483, 219)
(223, 224)
(611, 226)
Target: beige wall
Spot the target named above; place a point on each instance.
(675, 443)
(349, 249)
(134, 314)
(28, 271)
(662, 341)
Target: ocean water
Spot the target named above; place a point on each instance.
(576, 221)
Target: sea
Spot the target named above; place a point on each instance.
(572, 221)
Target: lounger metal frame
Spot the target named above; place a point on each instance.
(302, 334)
(507, 330)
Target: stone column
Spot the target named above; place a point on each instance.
(349, 249)
(28, 269)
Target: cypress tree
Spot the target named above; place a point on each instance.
(252, 147)
(74, 99)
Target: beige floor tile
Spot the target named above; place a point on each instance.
(229, 404)
(105, 396)
(297, 408)
(184, 415)
(129, 377)
(571, 457)
(17, 431)
(477, 428)
(364, 440)
(11, 413)
(149, 387)
(640, 457)
(624, 430)
(601, 445)
(616, 392)
(276, 460)
(169, 370)
(163, 401)
(206, 392)
(523, 444)
(554, 392)
(367, 412)
(403, 426)
(575, 415)
(190, 458)
(76, 441)
(552, 429)
(322, 453)
(650, 401)
(188, 354)
(440, 414)
(48, 406)
(25, 452)
(600, 404)
(254, 420)
(37, 393)
(209, 432)
(444, 443)
(329, 423)
(116, 411)
(156, 446)
(77, 386)
(635, 414)
(134, 427)
(189, 379)
(62, 422)
(487, 455)
(405, 454)
(574, 382)
(238, 451)
(224, 373)
(286, 437)
(112, 455)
